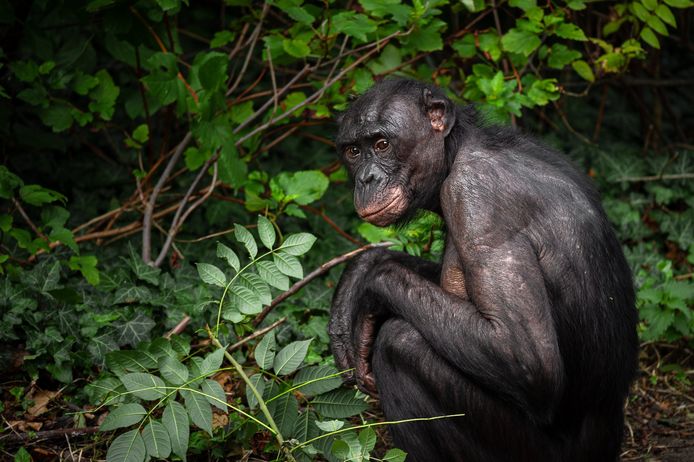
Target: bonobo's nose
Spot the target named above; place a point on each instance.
(370, 174)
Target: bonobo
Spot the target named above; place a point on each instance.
(527, 326)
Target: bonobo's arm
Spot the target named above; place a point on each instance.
(503, 338)
(353, 305)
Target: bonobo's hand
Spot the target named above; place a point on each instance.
(354, 318)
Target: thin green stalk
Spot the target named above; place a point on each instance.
(261, 402)
(375, 424)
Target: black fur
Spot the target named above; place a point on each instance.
(527, 327)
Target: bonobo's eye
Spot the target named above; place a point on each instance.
(352, 152)
(381, 145)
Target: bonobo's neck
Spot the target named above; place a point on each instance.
(464, 128)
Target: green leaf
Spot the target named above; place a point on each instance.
(288, 264)
(245, 300)
(246, 238)
(199, 410)
(298, 244)
(296, 47)
(571, 32)
(8, 182)
(284, 411)
(34, 194)
(520, 41)
(232, 169)
(316, 381)
(212, 362)
(473, 6)
(649, 37)
(583, 69)
(302, 187)
(560, 55)
(259, 384)
(123, 416)
(173, 371)
(290, 357)
(229, 255)
(141, 133)
(353, 24)
(212, 70)
(156, 440)
(210, 274)
(427, 38)
(266, 232)
(657, 25)
(395, 455)
(330, 425)
(367, 439)
(221, 38)
(298, 14)
(104, 96)
(265, 351)
(175, 419)
(524, 5)
(576, 5)
(465, 47)
(86, 264)
(128, 447)
(272, 275)
(339, 404)
(83, 83)
(639, 11)
(57, 116)
(666, 15)
(256, 284)
(145, 386)
(680, 3)
(214, 394)
(649, 4)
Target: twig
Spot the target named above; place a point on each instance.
(275, 96)
(179, 328)
(47, 434)
(149, 207)
(673, 176)
(273, 79)
(254, 39)
(322, 269)
(256, 334)
(568, 125)
(317, 95)
(331, 223)
(28, 221)
(180, 216)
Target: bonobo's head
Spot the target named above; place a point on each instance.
(392, 141)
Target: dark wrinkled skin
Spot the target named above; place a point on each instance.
(527, 326)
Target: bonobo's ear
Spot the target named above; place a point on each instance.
(440, 111)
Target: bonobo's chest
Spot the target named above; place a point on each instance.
(452, 275)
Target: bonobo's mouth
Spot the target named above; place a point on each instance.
(384, 215)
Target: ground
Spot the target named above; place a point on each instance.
(660, 415)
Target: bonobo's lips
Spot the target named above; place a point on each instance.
(383, 215)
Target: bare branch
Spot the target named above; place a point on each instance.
(643, 179)
(256, 334)
(322, 269)
(28, 221)
(254, 39)
(149, 207)
(180, 216)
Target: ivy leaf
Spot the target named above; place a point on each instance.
(86, 264)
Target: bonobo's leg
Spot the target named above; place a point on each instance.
(413, 381)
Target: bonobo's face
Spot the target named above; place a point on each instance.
(391, 150)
